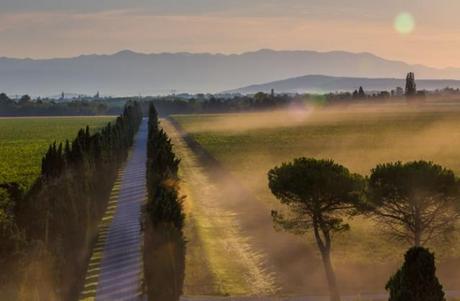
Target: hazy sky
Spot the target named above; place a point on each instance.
(429, 32)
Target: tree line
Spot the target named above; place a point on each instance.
(55, 223)
(164, 247)
(26, 106)
(418, 202)
(202, 103)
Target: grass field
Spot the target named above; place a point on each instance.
(358, 137)
(24, 141)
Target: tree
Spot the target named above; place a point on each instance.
(361, 93)
(168, 207)
(416, 280)
(416, 201)
(319, 193)
(355, 94)
(4, 99)
(411, 87)
(25, 99)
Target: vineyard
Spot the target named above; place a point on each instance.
(248, 145)
(229, 150)
(190, 213)
(52, 204)
(24, 141)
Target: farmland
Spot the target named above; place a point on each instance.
(359, 137)
(24, 141)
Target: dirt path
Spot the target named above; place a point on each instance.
(230, 266)
(115, 271)
(244, 254)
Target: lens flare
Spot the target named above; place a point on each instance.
(404, 23)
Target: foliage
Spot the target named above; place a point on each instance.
(318, 193)
(358, 138)
(416, 280)
(417, 201)
(167, 207)
(112, 141)
(24, 142)
(25, 106)
(164, 262)
(164, 241)
(359, 94)
(61, 210)
(164, 205)
(411, 87)
(11, 238)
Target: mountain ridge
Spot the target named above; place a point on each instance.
(127, 72)
(316, 83)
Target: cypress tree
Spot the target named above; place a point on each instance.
(67, 150)
(361, 93)
(411, 87)
(165, 205)
(77, 152)
(416, 280)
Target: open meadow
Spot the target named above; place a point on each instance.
(24, 141)
(359, 137)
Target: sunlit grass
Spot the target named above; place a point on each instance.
(219, 259)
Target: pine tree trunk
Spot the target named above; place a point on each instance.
(325, 250)
(330, 275)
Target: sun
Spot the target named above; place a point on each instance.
(404, 23)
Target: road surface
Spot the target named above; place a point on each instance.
(115, 270)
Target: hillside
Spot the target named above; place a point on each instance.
(324, 84)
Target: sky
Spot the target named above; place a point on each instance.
(415, 31)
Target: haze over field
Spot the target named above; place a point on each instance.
(359, 137)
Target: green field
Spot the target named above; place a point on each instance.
(358, 137)
(24, 141)
(251, 144)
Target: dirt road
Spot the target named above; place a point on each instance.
(243, 253)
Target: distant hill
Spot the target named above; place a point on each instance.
(324, 84)
(131, 73)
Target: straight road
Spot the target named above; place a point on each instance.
(115, 270)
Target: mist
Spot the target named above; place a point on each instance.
(357, 136)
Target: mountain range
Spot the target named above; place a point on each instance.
(130, 73)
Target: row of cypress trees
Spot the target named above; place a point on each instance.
(164, 247)
(59, 215)
(164, 206)
(110, 143)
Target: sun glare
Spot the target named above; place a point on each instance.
(404, 23)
